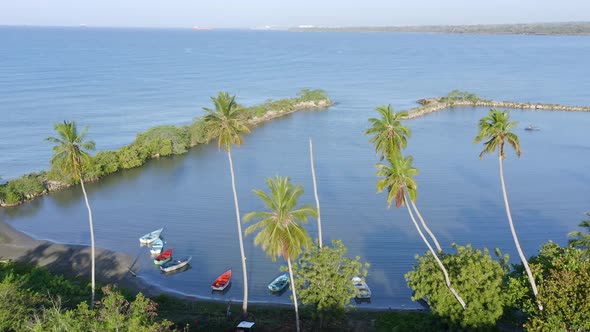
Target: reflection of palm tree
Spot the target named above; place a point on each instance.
(496, 128)
(582, 240)
(389, 134)
(227, 122)
(280, 233)
(398, 179)
(68, 152)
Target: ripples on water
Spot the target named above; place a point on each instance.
(121, 82)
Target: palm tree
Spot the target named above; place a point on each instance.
(389, 134)
(580, 239)
(496, 128)
(398, 179)
(68, 152)
(227, 122)
(315, 191)
(280, 233)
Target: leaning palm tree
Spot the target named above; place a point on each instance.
(69, 154)
(496, 128)
(389, 134)
(398, 179)
(315, 191)
(582, 240)
(280, 232)
(227, 122)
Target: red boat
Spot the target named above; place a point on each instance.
(222, 281)
(163, 257)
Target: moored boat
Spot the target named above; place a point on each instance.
(156, 246)
(163, 257)
(222, 281)
(362, 289)
(150, 237)
(279, 283)
(175, 264)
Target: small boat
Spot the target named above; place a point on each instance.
(156, 246)
(531, 128)
(222, 281)
(175, 264)
(279, 283)
(150, 237)
(163, 257)
(362, 289)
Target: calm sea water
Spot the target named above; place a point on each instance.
(120, 82)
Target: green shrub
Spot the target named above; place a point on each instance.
(131, 156)
(474, 274)
(198, 133)
(163, 140)
(17, 304)
(312, 95)
(563, 280)
(104, 163)
(27, 186)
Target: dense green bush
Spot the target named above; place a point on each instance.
(198, 133)
(17, 304)
(163, 141)
(27, 186)
(131, 156)
(103, 163)
(476, 276)
(563, 280)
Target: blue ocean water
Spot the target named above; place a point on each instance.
(122, 81)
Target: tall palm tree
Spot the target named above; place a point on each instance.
(398, 179)
(315, 191)
(68, 152)
(227, 122)
(389, 134)
(496, 128)
(280, 232)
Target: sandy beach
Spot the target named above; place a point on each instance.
(71, 260)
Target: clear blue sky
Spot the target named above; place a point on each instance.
(283, 13)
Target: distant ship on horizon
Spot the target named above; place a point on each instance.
(196, 27)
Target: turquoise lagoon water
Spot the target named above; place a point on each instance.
(120, 82)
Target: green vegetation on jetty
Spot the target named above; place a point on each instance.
(155, 142)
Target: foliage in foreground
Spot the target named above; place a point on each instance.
(563, 275)
(476, 276)
(323, 279)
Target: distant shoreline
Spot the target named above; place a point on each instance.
(563, 28)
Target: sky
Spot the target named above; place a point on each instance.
(287, 13)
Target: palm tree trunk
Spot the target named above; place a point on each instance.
(294, 293)
(91, 243)
(426, 227)
(315, 191)
(516, 242)
(233, 184)
(440, 264)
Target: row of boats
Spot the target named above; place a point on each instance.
(167, 264)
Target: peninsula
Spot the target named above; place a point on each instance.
(153, 143)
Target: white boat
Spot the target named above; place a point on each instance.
(362, 289)
(150, 237)
(531, 128)
(156, 246)
(175, 264)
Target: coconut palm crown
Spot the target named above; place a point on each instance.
(280, 232)
(226, 121)
(68, 151)
(397, 178)
(496, 128)
(389, 134)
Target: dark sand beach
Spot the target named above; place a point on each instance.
(72, 260)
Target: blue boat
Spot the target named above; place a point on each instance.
(279, 283)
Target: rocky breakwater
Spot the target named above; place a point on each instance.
(431, 105)
(300, 106)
